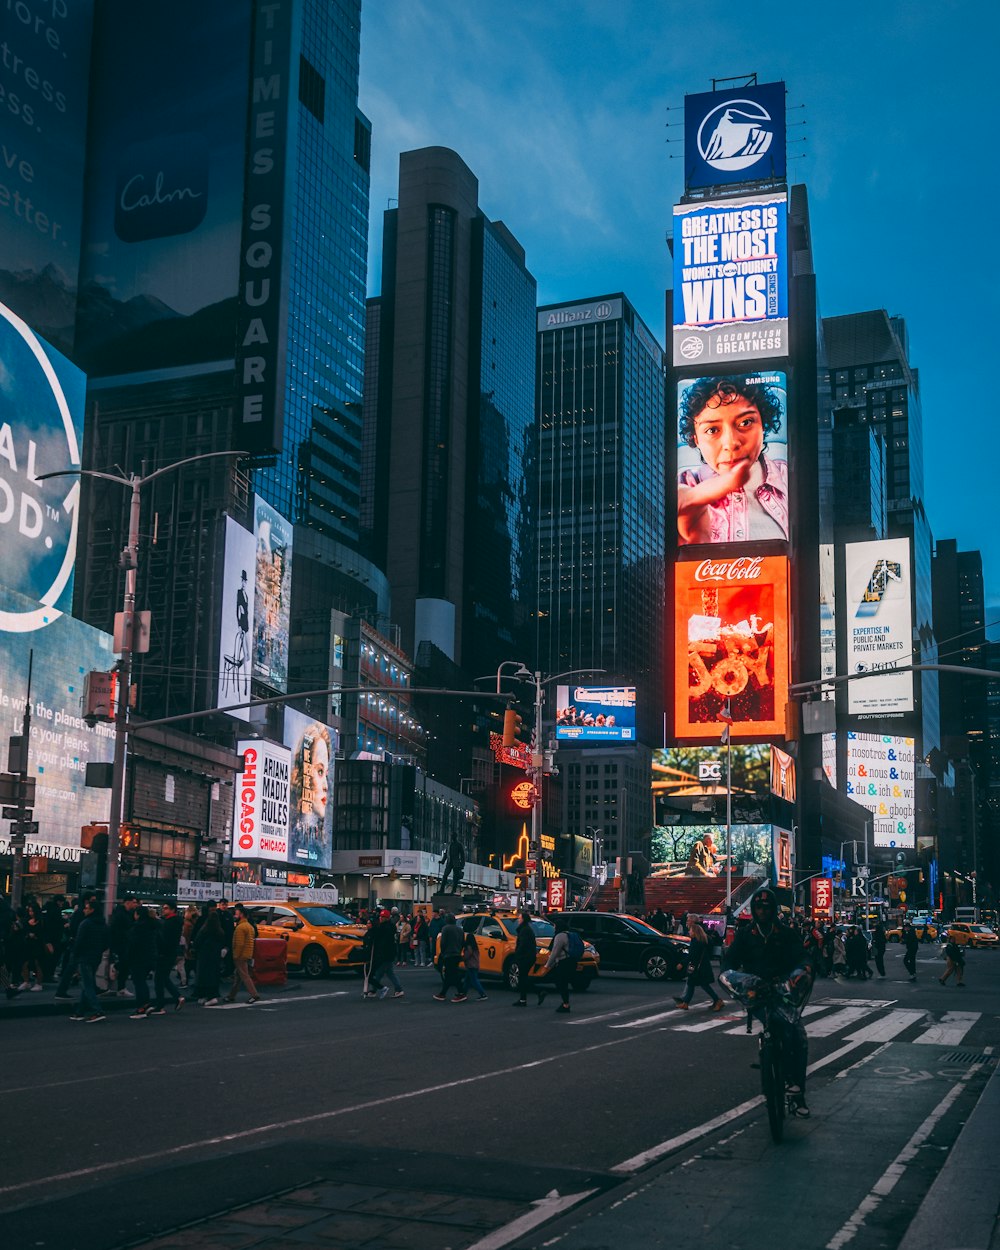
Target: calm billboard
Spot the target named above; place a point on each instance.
(880, 631)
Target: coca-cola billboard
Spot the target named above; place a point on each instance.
(731, 646)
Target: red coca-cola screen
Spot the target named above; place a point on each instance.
(731, 646)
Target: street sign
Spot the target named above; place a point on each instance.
(530, 865)
(29, 829)
(12, 813)
(864, 871)
(15, 789)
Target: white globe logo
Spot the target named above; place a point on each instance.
(735, 135)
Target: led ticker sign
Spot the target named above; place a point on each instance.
(737, 135)
(731, 646)
(595, 713)
(731, 280)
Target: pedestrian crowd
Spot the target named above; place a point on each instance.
(187, 956)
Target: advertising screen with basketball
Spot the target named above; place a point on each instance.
(731, 646)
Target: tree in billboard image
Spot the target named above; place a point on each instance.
(689, 783)
(731, 641)
(732, 459)
(700, 850)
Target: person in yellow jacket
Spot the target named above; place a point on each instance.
(243, 939)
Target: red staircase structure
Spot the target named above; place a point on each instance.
(701, 895)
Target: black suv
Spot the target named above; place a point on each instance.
(628, 944)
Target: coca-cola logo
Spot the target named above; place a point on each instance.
(742, 569)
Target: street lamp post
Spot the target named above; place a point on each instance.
(129, 561)
(536, 773)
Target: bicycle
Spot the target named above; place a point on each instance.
(777, 1006)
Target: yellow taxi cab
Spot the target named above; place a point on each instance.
(925, 928)
(320, 939)
(964, 934)
(496, 937)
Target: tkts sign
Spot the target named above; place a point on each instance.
(822, 895)
(731, 646)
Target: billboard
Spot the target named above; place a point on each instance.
(168, 122)
(595, 713)
(693, 781)
(732, 458)
(272, 595)
(41, 426)
(310, 812)
(236, 632)
(43, 90)
(782, 775)
(880, 630)
(881, 777)
(730, 280)
(61, 743)
(700, 850)
(260, 330)
(736, 135)
(731, 646)
(261, 800)
(821, 890)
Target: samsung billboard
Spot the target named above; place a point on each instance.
(732, 458)
(736, 135)
(879, 626)
(731, 280)
(595, 713)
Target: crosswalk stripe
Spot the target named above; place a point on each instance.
(638, 1024)
(839, 1020)
(812, 1010)
(888, 1027)
(950, 1031)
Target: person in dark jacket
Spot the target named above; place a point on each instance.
(208, 945)
(699, 967)
(433, 933)
(141, 943)
(384, 957)
(227, 920)
(772, 951)
(92, 938)
(911, 942)
(449, 961)
(857, 954)
(525, 954)
(559, 963)
(121, 928)
(878, 947)
(166, 948)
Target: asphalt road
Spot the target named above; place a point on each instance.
(119, 1131)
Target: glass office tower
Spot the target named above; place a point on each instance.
(600, 516)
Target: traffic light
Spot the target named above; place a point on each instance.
(129, 838)
(511, 727)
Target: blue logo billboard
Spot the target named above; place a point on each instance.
(735, 136)
(595, 713)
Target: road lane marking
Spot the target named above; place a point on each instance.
(951, 1029)
(646, 1020)
(894, 1173)
(839, 1020)
(607, 1015)
(886, 1029)
(316, 1117)
(546, 1208)
(646, 1157)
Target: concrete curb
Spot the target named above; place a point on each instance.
(962, 1207)
(28, 1005)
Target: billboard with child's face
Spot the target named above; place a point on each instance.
(732, 458)
(731, 646)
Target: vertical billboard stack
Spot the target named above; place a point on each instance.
(733, 394)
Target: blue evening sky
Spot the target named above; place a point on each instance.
(560, 108)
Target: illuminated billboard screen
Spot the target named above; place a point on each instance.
(700, 850)
(782, 775)
(595, 713)
(44, 84)
(731, 646)
(732, 458)
(736, 135)
(881, 777)
(310, 810)
(273, 595)
(730, 280)
(690, 783)
(236, 618)
(41, 427)
(61, 744)
(261, 800)
(880, 632)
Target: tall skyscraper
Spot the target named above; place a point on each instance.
(598, 545)
(222, 300)
(449, 493)
(600, 525)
